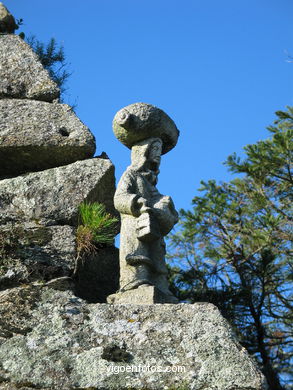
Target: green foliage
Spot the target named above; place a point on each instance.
(52, 57)
(234, 249)
(96, 227)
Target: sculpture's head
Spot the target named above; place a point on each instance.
(146, 155)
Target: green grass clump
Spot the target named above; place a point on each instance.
(96, 227)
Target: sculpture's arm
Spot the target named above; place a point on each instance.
(126, 198)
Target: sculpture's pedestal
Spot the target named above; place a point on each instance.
(51, 340)
(144, 294)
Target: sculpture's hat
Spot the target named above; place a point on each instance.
(139, 121)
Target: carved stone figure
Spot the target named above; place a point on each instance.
(146, 215)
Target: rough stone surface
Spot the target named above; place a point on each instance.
(21, 73)
(52, 197)
(37, 135)
(139, 121)
(31, 253)
(97, 275)
(52, 340)
(11, 386)
(7, 21)
(143, 294)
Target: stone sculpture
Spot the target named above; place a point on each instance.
(146, 215)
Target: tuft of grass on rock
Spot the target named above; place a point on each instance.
(96, 227)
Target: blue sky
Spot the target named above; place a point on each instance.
(218, 68)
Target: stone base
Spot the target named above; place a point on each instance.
(143, 295)
(51, 340)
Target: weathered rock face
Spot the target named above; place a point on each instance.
(21, 73)
(44, 142)
(7, 21)
(52, 197)
(30, 253)
(37, 135)
(51, 339)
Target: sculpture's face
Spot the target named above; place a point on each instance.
(146, 156)
(154, 156)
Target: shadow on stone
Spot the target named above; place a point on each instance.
(97, 275)
(114, 353)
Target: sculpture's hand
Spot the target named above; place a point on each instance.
(166, 200)
(142, 205)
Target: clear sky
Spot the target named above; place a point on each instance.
(218, 68)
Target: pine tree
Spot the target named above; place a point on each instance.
(52, 57)
(234, 249)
